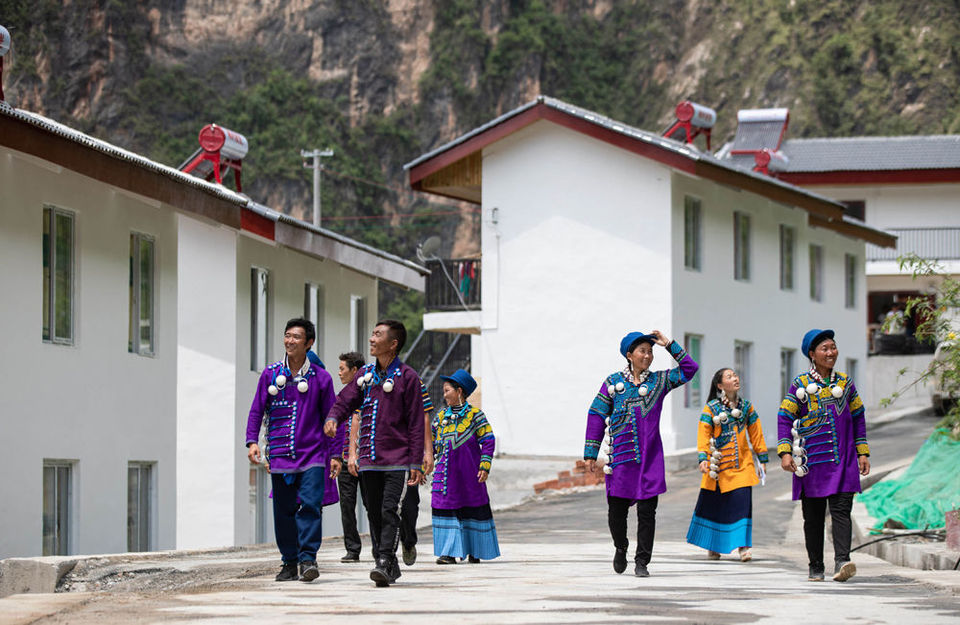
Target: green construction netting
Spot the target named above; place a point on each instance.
(927, 489)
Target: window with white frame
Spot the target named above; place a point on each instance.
(787, 248)
(259, 322)
(140, 505)
(58, 275)
(850, 280)
(140, 339)
(742, 365)
(313, 310)
(358, 322)
(786, 369)
(741, 246)
(816, 273)
(57, 507)
(691, 232)
(692, 391)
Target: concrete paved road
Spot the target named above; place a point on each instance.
(555, 568)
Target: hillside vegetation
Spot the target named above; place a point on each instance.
(383, 82)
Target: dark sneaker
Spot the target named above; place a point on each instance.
(288, 573)
(816, 573)
(641, 570)
(446, 560)
(350, 557)
(473, 560)
(409, 554)
(620, 561)
(380, 575)
(309, 571)
(844, 571)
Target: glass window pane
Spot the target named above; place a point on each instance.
(259, 284)
(133, 511)
(49, 511)
(146, 295)
(63, 258)
(47, 262)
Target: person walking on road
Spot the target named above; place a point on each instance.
(296, 395)
(723, 517)
(623, 430)
(410, 507)
(822, 440)
(348, 483)
(463, 446)
(389, 439)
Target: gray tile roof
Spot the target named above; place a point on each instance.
(872, 153)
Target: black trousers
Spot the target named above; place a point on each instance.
(409, 511)
(384, 492)
(348, 485)
(617, 508)
(814, 515)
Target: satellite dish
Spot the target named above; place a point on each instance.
(431, 246)
(4, 41)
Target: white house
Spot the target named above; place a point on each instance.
(139, 305)
(592, 228)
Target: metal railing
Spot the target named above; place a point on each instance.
(438, 353)
(928, 243)
(441, 295)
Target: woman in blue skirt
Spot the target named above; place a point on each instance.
(723, 518)
(463, 446)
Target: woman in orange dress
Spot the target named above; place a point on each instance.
(723, 518)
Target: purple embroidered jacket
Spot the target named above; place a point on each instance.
(294, 420)
(463, 445)
(636, 455)
(391, 423)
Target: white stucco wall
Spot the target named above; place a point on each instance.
(575, 243)
(289, 271)
(207, 457)
(92, 403)
(711, 303)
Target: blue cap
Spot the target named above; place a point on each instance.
(813, 338)
(635, 337)
(462, 379)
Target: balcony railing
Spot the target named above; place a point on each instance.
(464, 273)
(928, 243)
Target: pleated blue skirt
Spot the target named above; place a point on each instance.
(722, 522)
(463, 532)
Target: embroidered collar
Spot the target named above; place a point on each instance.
(638, 380)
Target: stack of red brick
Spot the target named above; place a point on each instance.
(567, 479)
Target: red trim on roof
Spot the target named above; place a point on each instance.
(258, 224)
(475, 143)
(897, 176)
(542, 111)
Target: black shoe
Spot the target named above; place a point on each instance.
(473, 560)
(380, 575)
(350, 557)
(844, 571)
(446, 560)
(409, 554)
(640, 570)
(620, 560)
(394, 570)
(816, 573)
(309, 571)
(288, 573)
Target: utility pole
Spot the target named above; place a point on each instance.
(317, 166)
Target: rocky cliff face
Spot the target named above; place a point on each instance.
(383, 82)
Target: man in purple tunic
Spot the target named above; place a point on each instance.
(623, 424)
(295, 395)
(390, 438)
